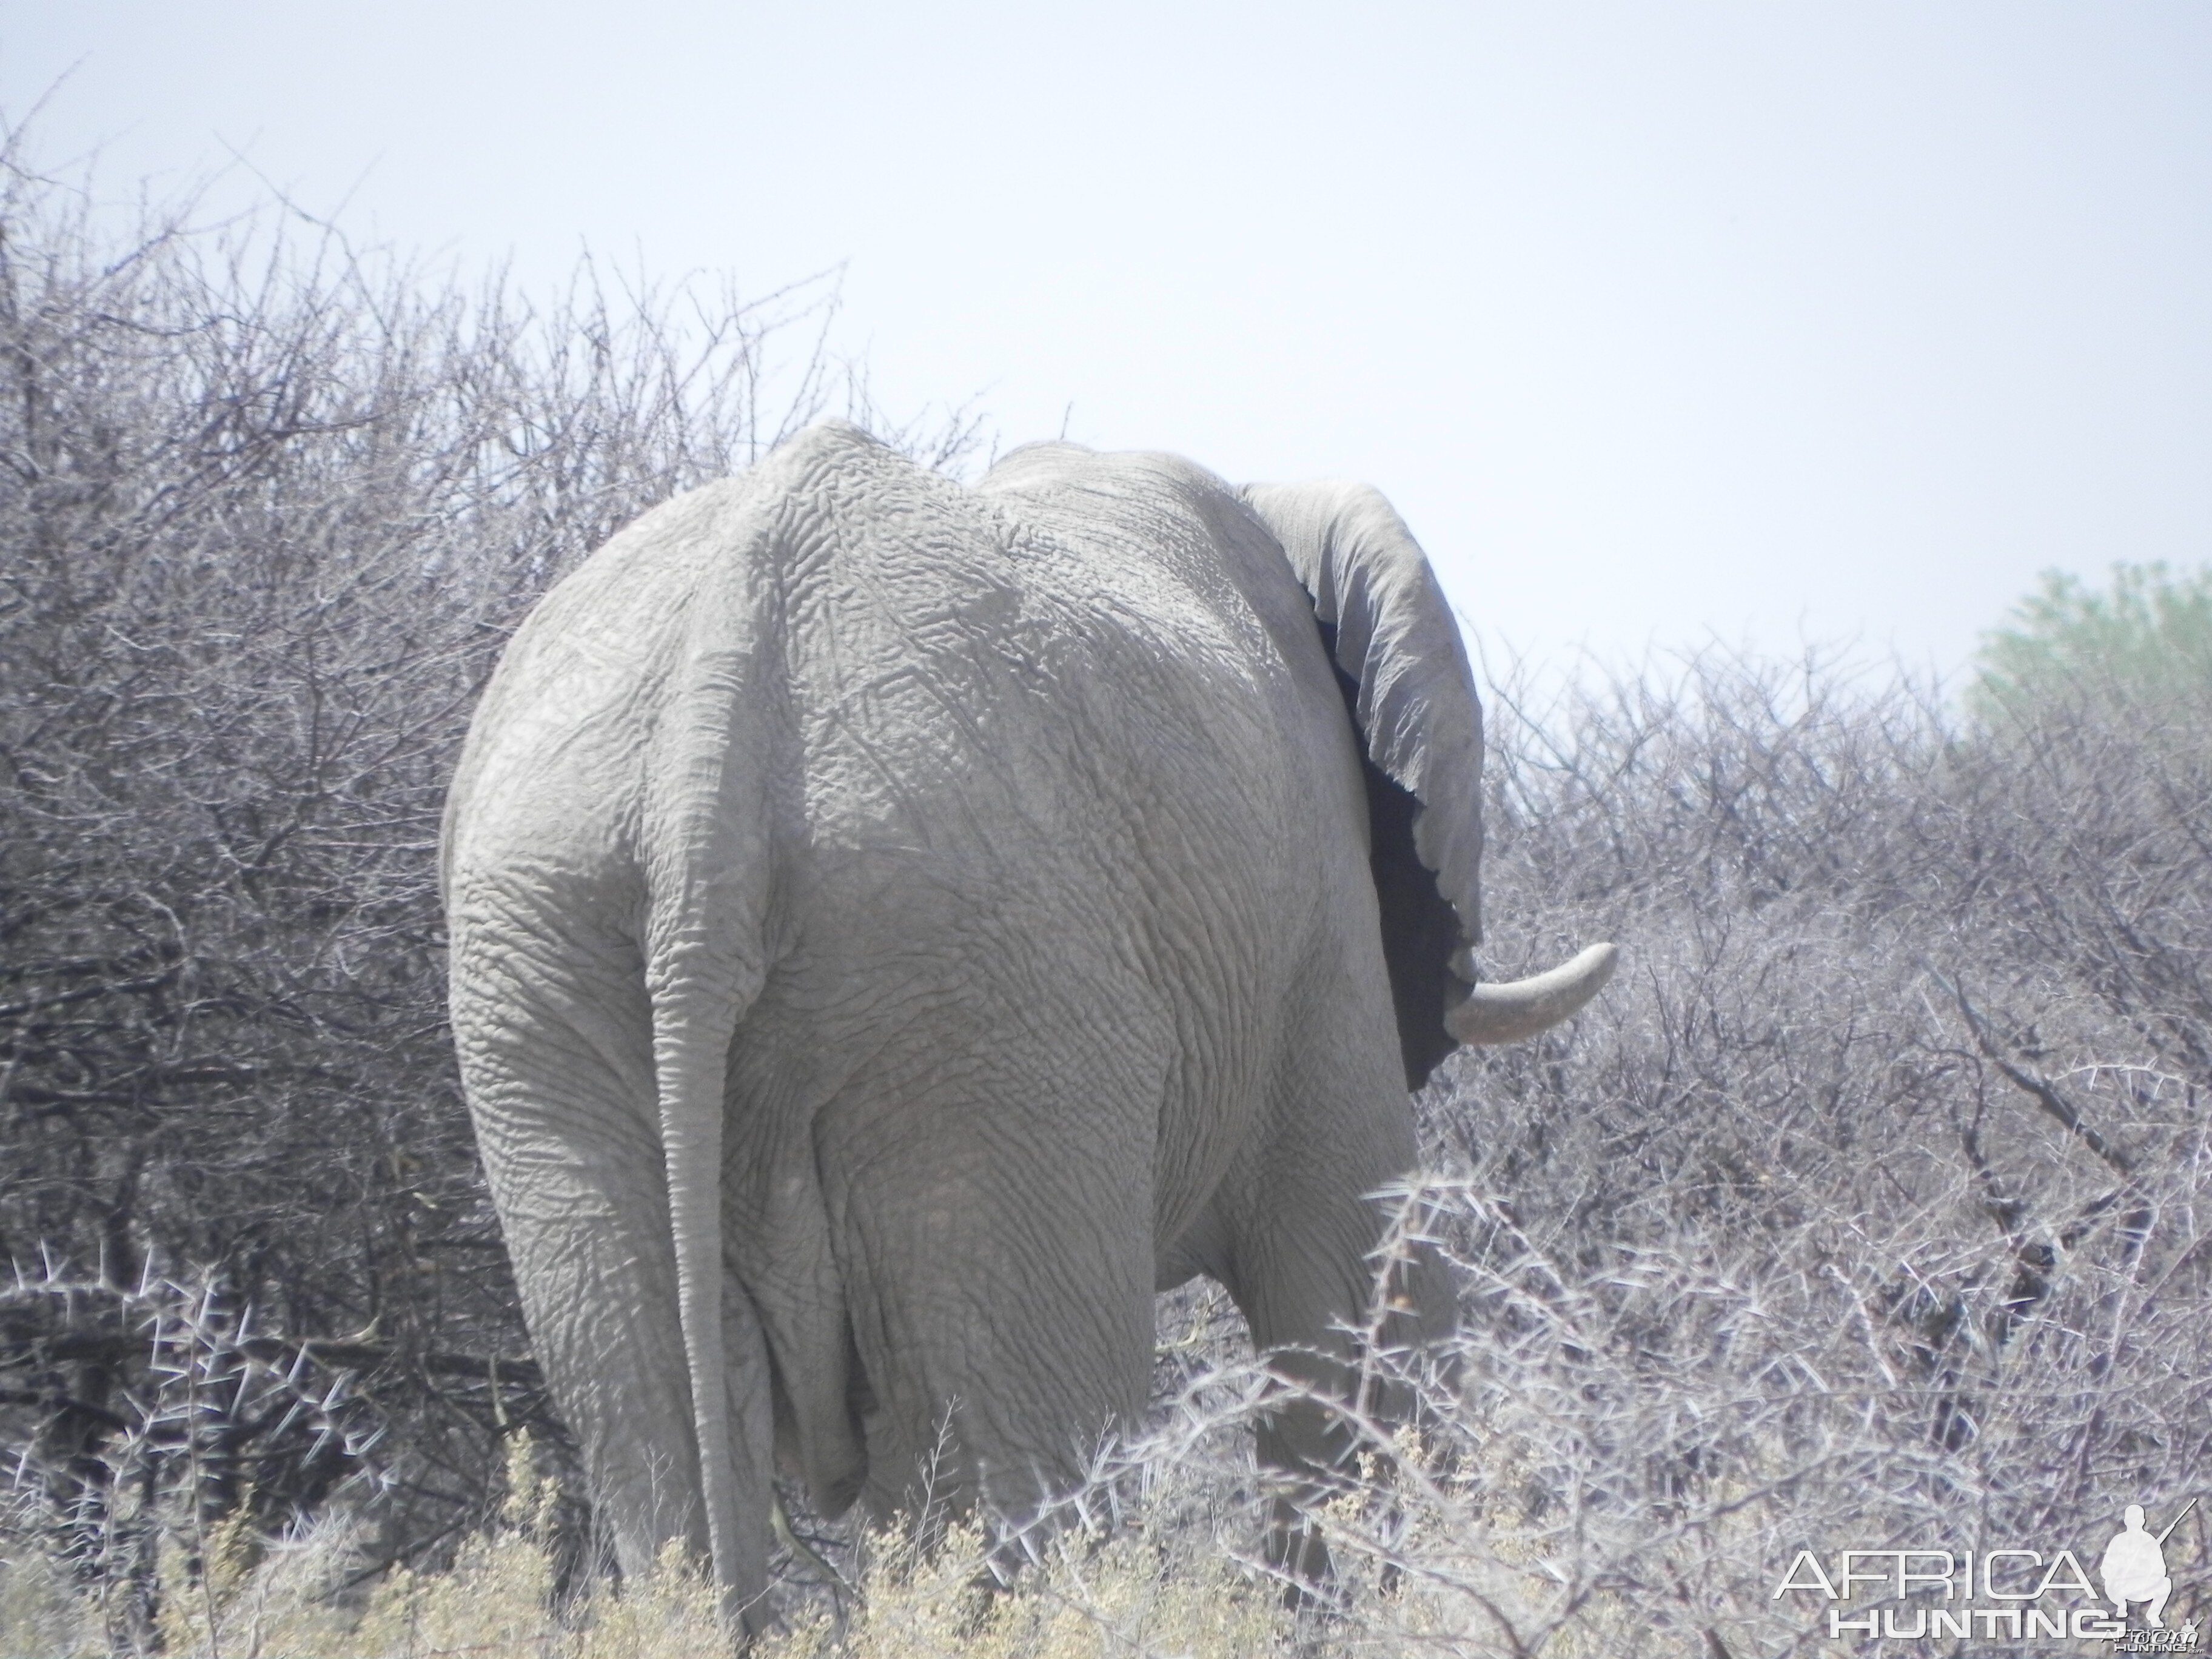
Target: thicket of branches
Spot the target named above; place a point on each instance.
(267, 511)
(1865, 1207)
(1870, 1208)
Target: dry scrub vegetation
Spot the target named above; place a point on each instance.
(1865, 1209)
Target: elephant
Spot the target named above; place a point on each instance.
(897, 926)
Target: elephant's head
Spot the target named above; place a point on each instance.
(1406, 682)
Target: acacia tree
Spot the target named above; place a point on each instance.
(268, 508)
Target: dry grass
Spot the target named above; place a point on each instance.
(1136, 1592)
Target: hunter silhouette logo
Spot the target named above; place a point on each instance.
(2003, 1595)
(2134, 1568)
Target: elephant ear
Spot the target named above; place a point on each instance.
(1406, 679)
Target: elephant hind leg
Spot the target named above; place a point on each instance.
(558, 1071)
(1000, 1291)
(1303, 1224)
(1298, 1304)
(584, 1218)
(997, 1392)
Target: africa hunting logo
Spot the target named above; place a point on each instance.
(2005, 1594)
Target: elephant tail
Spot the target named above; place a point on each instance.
(706, 857)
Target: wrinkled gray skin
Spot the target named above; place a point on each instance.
(897, 926)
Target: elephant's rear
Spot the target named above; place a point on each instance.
(756, 866)
(891, 924)
(609, 867)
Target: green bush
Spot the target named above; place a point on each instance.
(2147, 637)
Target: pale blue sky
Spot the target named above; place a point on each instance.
(1660, 323)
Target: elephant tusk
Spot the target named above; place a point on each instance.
(1523, 1007)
